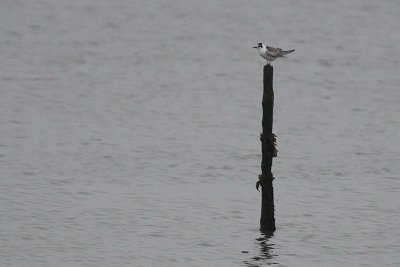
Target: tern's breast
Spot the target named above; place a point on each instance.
(263, 54)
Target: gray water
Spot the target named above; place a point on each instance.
(130, 133)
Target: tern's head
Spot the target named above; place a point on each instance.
(259, 46)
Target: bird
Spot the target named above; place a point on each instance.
(271, 53)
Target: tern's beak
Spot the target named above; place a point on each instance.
(254, 46)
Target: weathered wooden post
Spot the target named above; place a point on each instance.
(268, 142)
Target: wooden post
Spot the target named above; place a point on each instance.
(267, 220)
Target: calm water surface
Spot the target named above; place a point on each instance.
(130, 133)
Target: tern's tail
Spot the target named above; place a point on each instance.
(287, 52)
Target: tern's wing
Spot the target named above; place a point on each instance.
(275, 52)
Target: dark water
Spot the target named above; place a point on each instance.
(130, 133)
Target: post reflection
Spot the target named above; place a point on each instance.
(265, 255)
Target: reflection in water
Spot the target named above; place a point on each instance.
(265, 255)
